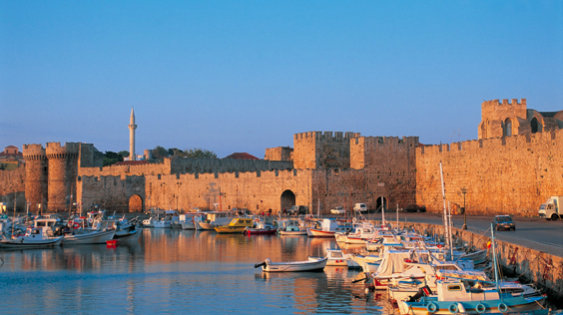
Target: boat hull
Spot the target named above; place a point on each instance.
(295, 233)
(230, 229)
(319, 233)
(260, 231)
(515, 305)
(9, 244)
(89, 238)
(296, 266)
(130, 237)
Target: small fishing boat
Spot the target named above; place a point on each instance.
(293, 266)
(291, 227)
(237, 225)
(35, 237)
(81, 236)
(214, 219)
(261, 228)
(127, 236)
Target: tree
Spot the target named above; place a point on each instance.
(159, 153)
(111, 158)
(197, 153)
(123, 153)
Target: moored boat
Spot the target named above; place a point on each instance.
(35, 237)
(293, 266)
(261, 228)
(237, 225)
(88, 237)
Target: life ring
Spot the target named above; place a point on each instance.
(431, 307)
(76, 225)
(480, 308)
(453, 308)
(502, 307)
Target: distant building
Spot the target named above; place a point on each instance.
(12, 155)
(241, 156)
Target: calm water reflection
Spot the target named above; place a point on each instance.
(173, 271)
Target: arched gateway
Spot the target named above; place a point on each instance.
(136, 204)
(287, 200)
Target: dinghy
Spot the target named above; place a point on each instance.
(293, 266)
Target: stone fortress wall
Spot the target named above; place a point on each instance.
(507, 174)
(502, 174)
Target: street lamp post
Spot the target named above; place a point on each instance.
(464, 227)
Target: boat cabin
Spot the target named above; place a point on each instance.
(241, 222)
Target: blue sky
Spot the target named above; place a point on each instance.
(242, 76)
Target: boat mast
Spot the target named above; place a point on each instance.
(494, 254)
(444, 199)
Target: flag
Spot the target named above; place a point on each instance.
(488, 244)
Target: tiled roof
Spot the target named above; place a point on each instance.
(241, 156)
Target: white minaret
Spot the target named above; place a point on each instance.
(132, 128)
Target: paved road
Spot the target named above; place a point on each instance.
(536, 233)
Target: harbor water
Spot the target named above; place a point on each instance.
(181, 271)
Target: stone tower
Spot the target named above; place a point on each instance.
(63, 169)
(35, 174)
(132, 128)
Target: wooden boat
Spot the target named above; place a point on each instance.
(88, 237)
(128, 236)
(237, 225)
(291, 227)
(35, 237)
(293, 266)
(327, 228)
(261, 228)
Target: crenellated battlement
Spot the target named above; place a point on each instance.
(56, 151)
(505, 102)
(33, 152)
(326, 136)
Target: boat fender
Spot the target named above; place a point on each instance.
(431, 307)
(453, 308)
(461, 308)
(502, 307)
(480, 308)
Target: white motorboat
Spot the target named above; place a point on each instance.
(360, 235)
(293, 266)
(336, 257)
(190, 221)
(165, 222)
(35, 237)
(327, 228)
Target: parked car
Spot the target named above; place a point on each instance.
(415, 208)
(338, 210)
(360, 207)
(296, 210)
(504, 221)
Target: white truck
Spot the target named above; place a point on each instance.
(550, 209)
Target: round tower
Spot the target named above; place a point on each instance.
(35, 175)
(63, 169)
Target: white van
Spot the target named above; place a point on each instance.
(361, 207)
